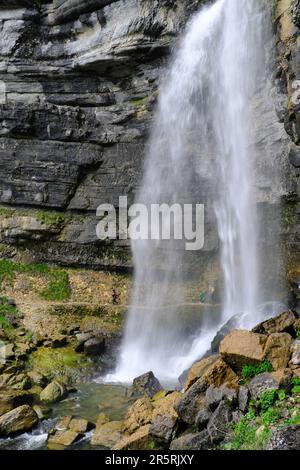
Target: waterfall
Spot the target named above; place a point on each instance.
(201, 131)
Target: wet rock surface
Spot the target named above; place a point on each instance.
(78, 88)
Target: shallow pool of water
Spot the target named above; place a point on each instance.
(88, 402)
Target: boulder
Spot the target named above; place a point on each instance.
(139, 414)
(15, 381)
(295, 353)
(242, 347)
(140, 440)
(59, 342)
(281, 323)
(165, 406)
(237, 416)
(61, 439)
(6, 352)
(53, 393)
(262, 383)
(193, 400)
(10, 399)
(214, 395)
(37, 378)
(233, 323)
(81, 425)
(43, 412)
(198, 441)
(108, 434)
(202, 419)
(283, 378)
(63, 423)
(296, 372)
(287, 438)
(102, 419)
(198, 369)
(145, 384)
(219, 424)
(94, 346)
(163, 428)
(243, 399)
(18, 421)
(278, 350)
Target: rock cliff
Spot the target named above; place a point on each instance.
(78, 86)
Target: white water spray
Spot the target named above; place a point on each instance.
(202, 130)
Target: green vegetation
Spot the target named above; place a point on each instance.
(246, 435)
(270, 416)
(255, 428)
(51, 218)
(6, 211)
(289, 215)
(298, 334)
(296, 385)
(295, 419)
(58, 288)
(46, 217)
(249, 371)
(51, 362)
(7, 312)
(140, 102)
(267, 399)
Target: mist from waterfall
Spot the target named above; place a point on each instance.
(202, 130)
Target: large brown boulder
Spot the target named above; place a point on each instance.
(165, 418)
(53, 393)
(108, 434)
(139, 414)
(279, 324)
(165, 405)
(242, 347)
(278, 350)
(295, 352)
(140, 440)
(193, 400)
(10, 399)
(17, 421)
(198, 369)
(62, 439)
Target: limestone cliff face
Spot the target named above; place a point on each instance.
(78, 83)
(287, 83)
(78, 86)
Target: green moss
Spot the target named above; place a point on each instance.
(298, 334)
(6, 211)
(58, 288)
(51, 218)
(51, 362)
(7, 311)
(288, 216)
(140, 102)
(249, 371)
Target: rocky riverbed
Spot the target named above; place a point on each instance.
(245, 395)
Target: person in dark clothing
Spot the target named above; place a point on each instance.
(115, 297)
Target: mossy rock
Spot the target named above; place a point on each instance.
(64, 363)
